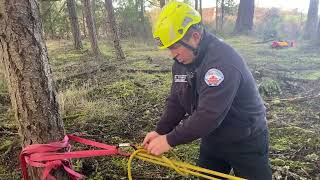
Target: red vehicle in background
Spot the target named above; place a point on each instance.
(282, 44)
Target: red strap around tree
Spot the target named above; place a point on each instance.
(47, 156)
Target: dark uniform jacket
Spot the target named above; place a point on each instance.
(219, 94)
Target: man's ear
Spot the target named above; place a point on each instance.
(196, 36)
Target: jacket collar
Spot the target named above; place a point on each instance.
(206, 39)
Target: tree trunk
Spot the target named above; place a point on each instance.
(47, 21)
(217, 15)
(142, 18)
(222, 16)
(141, 12)
(312, 21)
(94, 8)
(162, 3)
(84, 23)
(318, 34)
(25, 58)
(196, 4)
(111, 24)
(200, 9)
(91, 28)
(244, 21)
(74, 24)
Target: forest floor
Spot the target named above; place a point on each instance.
(120, 101)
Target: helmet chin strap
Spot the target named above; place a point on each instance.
(194, 50)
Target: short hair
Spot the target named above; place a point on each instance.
(194, 28)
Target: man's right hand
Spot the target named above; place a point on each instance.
(149, 137)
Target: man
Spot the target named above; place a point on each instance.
(214, 87)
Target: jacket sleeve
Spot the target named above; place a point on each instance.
(214, 104)
(173, 112)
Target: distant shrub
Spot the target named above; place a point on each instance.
(268, 26)
(278, 25)
(269, 87)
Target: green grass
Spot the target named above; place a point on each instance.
(116, 106)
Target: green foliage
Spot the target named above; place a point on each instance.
(136, 96)
(276, 25)
(292, 165)
(269, 87)
(311, 75)
(3, 86)
(270, 24)
(141, 65)
(55, 20)
(231, 7)
(118, 106)
(300, 144)
(132, 20)
(313, 157)
(292, 138)
(4, 146)
(99, 16)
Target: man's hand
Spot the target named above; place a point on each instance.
(149, 137)
(158, 145)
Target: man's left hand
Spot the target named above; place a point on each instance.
(159, 146)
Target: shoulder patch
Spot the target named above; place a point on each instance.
(213, 77)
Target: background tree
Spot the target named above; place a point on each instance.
(244, 21)
(201, 7)
(24, 55)
(271, 22)
(318, 34)
(84, 27)
(217, 15)
(54, 19)
(141, 17)
(162, 3)
(129, 13)
(222, 9)
(47, 19)
(113, 29)
(74, 24)
(93, 10)
(196, 4)
(91, 28)
(312, 21)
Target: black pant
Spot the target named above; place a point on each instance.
(249, 158)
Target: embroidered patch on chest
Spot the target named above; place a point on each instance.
(180, 78)
(213, 77)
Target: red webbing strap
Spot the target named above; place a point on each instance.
(47, 157)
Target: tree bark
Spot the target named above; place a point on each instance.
(318, 34)
(244, 21)
(91, 28)
(200, 8)
(196, 4)
(111, 24)
(222, 15)
(31, 88)
(217, 15)
(310, 30)
(162, 3)
(74, 24)
(45, 11)
(94, 8)
(142, 17)
(84, 23)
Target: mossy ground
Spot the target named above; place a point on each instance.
(115, 106)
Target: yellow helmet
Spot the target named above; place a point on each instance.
(174, 21)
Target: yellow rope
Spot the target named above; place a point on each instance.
(182, 168)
